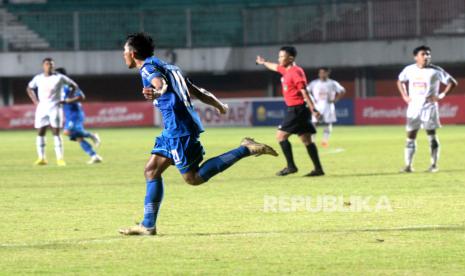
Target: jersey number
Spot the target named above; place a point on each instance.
(182, 86)
(175, 155)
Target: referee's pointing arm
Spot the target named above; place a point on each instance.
(270, 65)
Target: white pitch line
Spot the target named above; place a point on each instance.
(333, 151)
(412, 227)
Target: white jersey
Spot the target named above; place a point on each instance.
(324, 93)
(49, 88)
(423, 83)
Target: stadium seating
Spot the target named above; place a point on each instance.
(167, 20)
(102, 25)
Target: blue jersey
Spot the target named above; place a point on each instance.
(72, 111)
(178, 114)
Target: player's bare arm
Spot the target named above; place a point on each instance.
(270, 65)
(403, 91)
(32, 95)
(159, 87)
(207, 97)
(449, 87)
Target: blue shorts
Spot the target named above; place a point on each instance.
(75, 129)
(186, 151)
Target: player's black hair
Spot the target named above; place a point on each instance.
(290, 50)
(421, 48)
(49, 59)
(142, 45)
(326, 69)
(61, 70)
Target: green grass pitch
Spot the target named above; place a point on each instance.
(64, 220)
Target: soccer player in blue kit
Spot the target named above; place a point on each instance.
(179, 143)
(74, 121)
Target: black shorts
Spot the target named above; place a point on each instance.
(298, 120)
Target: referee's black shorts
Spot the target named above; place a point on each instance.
(298, 120)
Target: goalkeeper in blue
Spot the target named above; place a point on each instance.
(74, 121)
(178, 144)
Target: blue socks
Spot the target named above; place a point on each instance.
(153, 198)
(87, 148)
(220, 163)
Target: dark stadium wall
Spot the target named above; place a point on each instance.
(96, 88)
(233, 84)
(129, 87)
(224, 85)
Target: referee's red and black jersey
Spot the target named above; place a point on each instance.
(293, 81)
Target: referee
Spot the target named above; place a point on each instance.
(299, 110)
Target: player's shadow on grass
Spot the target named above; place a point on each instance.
(419, 228)
(64, 244)
(364, 174)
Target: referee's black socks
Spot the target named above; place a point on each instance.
(313, 152)
(287, 150)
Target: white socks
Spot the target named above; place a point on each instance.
(58, 147)
(411, 145)
(409, 152)
(327, 132)
(40, 145)
(434, 149)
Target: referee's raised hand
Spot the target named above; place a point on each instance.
(260, 60)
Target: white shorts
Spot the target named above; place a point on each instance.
(426, 117)
(328, 113)
(48, 116)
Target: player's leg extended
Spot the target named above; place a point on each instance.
(154, 168)
(434, 149)
(87, 134)
(95, 138)
(58, 141)
(282, 137)
(218, 164)
(86, 147)
(40, 146)
(313, 153)
(410, 149)
(76, 132)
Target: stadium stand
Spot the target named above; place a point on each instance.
(57, 24)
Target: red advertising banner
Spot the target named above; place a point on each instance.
(117, 114)
(17, 116)
(111, 114)
(384, 111)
